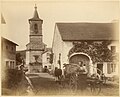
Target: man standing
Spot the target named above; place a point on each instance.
(82, 76)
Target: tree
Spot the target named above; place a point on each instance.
(18, 59)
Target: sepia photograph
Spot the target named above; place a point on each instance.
(59, 47)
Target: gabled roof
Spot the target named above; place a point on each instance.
(87, 31)
(9, 41)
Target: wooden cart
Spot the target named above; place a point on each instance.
(74, 80)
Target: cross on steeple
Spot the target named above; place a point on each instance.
(35, 7)
(36, 16)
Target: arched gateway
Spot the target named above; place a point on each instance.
(75, 58)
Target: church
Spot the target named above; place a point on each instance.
(35, 47)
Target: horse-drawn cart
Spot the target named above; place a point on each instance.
(74, 80)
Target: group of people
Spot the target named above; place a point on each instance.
(82, 71)
(82, 68)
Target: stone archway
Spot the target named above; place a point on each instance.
(77, 57)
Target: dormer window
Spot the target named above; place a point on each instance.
(113, 49)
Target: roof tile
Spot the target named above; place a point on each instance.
(87, 31)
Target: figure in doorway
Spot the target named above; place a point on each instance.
(82, 76)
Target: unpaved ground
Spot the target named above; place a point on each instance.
(44, 84)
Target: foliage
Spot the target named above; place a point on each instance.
(18, 59)
(98, 51)
(13, 78)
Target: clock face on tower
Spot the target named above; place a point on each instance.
(36, 28)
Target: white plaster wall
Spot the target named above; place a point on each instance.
(105, 68)
(57, 47)
(66, 48)
(44, 59)
(94, 68)
(27, 57)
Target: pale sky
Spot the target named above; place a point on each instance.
(17, 13)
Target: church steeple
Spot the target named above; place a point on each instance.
(36, 15)
(35, 24)
(35, 47)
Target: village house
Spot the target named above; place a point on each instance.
(46, 58)
(95, 44)
(8, 54)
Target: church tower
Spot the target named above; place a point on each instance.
(35, 47)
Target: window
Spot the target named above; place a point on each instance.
(99, 68)
(12, 48)
(111, 68)
(113, 49)
(11, 65)
(7, 64)
(48, 54)
(6, 47)
(49, 67)
(108, 68)
(48, 60)
(35, 26)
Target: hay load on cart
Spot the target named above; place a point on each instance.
(69, 69)
(75, 68)
(76, 77)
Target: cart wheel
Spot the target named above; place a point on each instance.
(96, 88)
(73, 82)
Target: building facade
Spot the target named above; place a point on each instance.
(47, 58)
(8, 54)
(35, 47)
(95, 44)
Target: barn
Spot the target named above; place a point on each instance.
(96, 44)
